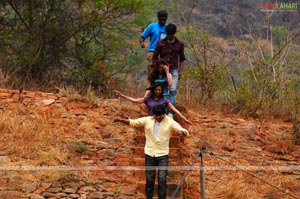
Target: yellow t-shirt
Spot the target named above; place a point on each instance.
(159, 146)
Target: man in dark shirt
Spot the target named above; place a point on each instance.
(171, 50)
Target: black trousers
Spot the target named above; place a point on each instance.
(151, 164)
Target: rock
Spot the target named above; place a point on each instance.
(125, 151)
(246, 125)
(104, 122)
(86, 189)
(108, 193)
(228, 147)
(5, 95)
(89, 127)
(48, 101)
(114, 142)
(105, 134)
(105, 162)
(275, 150)
(4, 153)
(99, 187)
(29, 187)
(74, 195)
(102, 145)
(251, 148)
(78, 112)
(284, 158)
(73, 185)
(60, 195)
(10, 194)
(34, 196)
(4, 160)
(287, 172)
(272, 197)
(87, 162)
(125, 197)
(111, 153)
(128, 190)
(46, 185)
(95, 195)
(83, 196)
(54, 189)
(48, 194)
(69, 190)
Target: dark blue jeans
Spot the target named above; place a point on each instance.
(151, 164)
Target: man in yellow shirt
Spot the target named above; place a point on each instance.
(158, 130)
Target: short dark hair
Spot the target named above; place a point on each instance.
(159, 109)
(171, 29)
(162, 14)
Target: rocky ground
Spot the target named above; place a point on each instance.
(67, 146)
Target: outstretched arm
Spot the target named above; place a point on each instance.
(136, 100)
(175, 110)
(125, 121)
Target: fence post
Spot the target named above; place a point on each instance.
(202, 179)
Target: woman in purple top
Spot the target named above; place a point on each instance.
(156, 98)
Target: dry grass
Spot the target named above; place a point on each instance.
(235, 188)
(29, 137)
(32, 138)
(239, 185)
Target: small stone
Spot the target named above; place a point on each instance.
(69, 190)
(34, 196)
(60, 195)
(46, 185)
(29, 187)
(95, 195)
(54, 189)
(108, 193)
(86, 189)
(48, 101)
(48, 194)
(105, 134)
(4, 159)
(4, 153)
(74, 195)
(99, 187)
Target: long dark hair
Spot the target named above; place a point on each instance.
(153, 87)
(154, 73)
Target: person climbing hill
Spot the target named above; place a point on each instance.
(155, 31)
(156, 98)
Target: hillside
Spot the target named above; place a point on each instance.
(231, 18)
(63, 146)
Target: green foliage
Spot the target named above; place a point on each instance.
(207, 69)
(64, 40)
(186, 196)
(258, 93)
(80, 147)
(254, 80)
(280, 33)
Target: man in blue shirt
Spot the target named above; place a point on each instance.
(156, 31)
